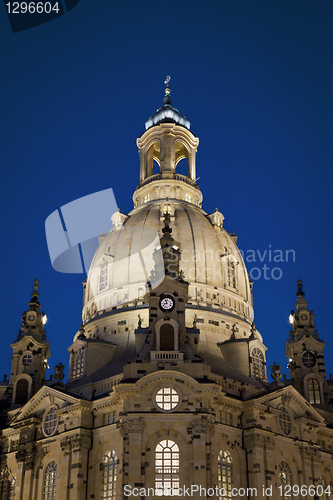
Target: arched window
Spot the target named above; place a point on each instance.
(78, 363)
(257, 363)
(325, 492)
(22, 387)
(167, 468)
(231, 276)
(103, 276)
(285, 480)
(50, 481)
(12, 489)
(167, 337)
(314, 391)
(224, 474)
(109, 480)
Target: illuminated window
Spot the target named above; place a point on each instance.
(284, 420)
(146, 198)
(103, 276)
(231, 274)
(167, 468)
(167, 398)
(78, 363)
(27, 359)
(224, 474)
(50, 422)
(109, 480)
(12, 488)
(257, 363)
(314, 391)
(188, 198)
(50, 481)
(285, 480)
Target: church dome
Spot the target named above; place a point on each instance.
(210, 260)
(128, 264)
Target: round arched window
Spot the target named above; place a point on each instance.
(27, 359)
(309, 359)
(50, 422)
(167, 399)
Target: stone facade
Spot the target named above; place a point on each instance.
(168, 385)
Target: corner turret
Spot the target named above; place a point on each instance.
(305, 351)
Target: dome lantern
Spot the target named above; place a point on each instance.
(166, 142)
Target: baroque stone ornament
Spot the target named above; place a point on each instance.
(75, 444)
(132, 426)
(59, 373)
(276, 372)
(26, 456)
(202, 425)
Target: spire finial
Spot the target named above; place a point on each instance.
(300, 292)
(167, 98)
(36, 287)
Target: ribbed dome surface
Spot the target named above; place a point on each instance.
(208, 254)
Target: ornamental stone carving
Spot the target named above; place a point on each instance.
(310, 454)
(203, 425)
(75, 444)
(258, 441)
(26, 456)
(4, 472)
(133, 426)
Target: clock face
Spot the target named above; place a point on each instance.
(167, 302)
(304, 316)
(31, 317)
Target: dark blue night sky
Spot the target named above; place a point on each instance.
(254, 77)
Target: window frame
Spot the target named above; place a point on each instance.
(78, 362)
(54, 421)
(167, 468)
(284, 468)
(177, 392)
(50, 480)
(231, 274)
(258, 365)
(284, 420)
(103, 276)
(314, 393)
(225, 473)
(109, 469)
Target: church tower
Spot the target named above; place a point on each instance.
(31, 351)
(305, 351)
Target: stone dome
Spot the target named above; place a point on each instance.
(210, 260)
(128, 264)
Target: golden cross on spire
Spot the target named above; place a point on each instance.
(167, 80)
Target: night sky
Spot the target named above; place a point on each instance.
(254, 78)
